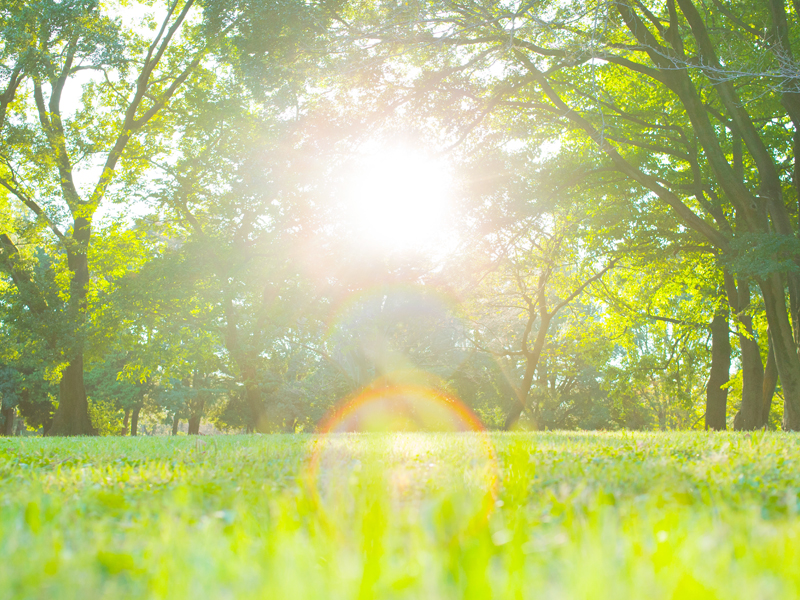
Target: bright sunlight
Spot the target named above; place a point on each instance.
(400, 199)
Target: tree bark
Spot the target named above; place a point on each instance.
(196, 416)
(135, 419)
(194, 424)
(126, 421)
(176, 421)
(258, 413)
(770, 382)
(9, 418)
(749, 417)
(787, 361)
(72, 415)
(531, 362)
(716, 393)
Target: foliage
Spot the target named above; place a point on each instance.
(105, 416)
(179, 230)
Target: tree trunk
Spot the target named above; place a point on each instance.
(72, 414)
(770, 382)
(749, 415)
(531, 362)
(716, 393)
(196, 417)
(258, 413)
(515, 412)
(176, 421)
(787, 361)
(752, 367)
(9, 415)
(135, 419)
(194, 424)
(126, 421)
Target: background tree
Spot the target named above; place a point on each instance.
(672, 96)
(537, 272)
(47, 45)
(65, 162)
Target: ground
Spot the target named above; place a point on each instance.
(519, 515)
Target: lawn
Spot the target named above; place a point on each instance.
(549, 515)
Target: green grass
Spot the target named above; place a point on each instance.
(572, 515)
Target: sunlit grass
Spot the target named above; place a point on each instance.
(402, 516)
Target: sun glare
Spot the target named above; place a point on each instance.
(400, 199)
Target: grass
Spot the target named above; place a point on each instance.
(553, 515)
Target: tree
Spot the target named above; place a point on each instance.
(536, 272)
(120, 127)
(47, 45)
(695, 105)
(662, 309)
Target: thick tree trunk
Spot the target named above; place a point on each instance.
(749, 415)
(126, 421)
(135, 419)
(72, 414)
(716, 393)
(290, 426)
(176, 421)
(194, 424)
(196, 417)
(9, 420)
(787, 361)
(258, 413)
(770, 382)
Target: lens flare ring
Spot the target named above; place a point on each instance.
(406, 411)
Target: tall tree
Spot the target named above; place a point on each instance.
(51, 151)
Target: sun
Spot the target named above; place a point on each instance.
(400, 199)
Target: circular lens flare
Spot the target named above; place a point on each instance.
(397, 408)
(413, 445)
